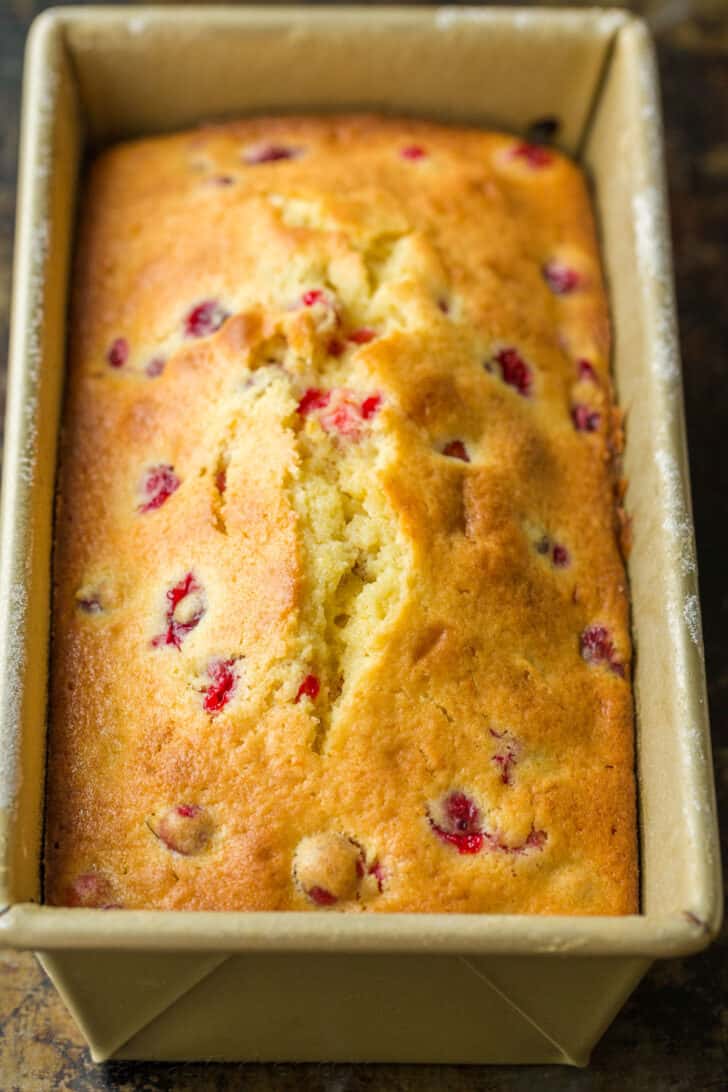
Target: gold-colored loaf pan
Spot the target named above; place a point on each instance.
(171, 985)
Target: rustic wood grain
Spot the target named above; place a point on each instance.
(673, 1033)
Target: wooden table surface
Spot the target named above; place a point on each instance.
(673, 1033)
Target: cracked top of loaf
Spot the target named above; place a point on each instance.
(340, 615)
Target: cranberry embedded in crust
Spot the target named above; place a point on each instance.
(309, 688)
(413, 151)
(313, 399)
(185, 608)
(155, 367)
(328, 868)
(585, 420)
(159, 484)
(586, 371)
(118, 353)
(377, 871)
(185, 829)
(91, 889)
(596, 647)
(514, 370)
(560, 556)
(532, 154)
(270, 153)
(456, 820)
(222, 685)
(561, 279)
(456, 450)
(313, 296)
(205, 318)
(362, 336)
(370, 406)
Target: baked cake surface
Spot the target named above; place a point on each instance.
(340, 615)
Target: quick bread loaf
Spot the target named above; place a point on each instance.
(340, 614)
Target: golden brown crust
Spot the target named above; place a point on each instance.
(296, 634)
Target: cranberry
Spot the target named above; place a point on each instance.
(185, 609)
(90, 604)
(159, 484)
(586, 371)
(221, 480)
(155, 367)
(585, 420)
(456, 450)
(375, 869)
(321, 896)
(413, 151)
(205, 318)
(459, 824)
(222, 685)
(335, 347)
(515, 371)
(270, 153)
(536, 840)
(313, 296)
(370, 406)
(597, 648)
(91, 889)
(328, 868)
(309, 688)
(362, 336)
(532, 154)
(560, 278)
(185, 829)
(560, 556)
(313, 399)
(118, 353)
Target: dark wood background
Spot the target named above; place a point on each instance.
(673, 1033)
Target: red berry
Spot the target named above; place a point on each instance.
(180, 623)
(155, 367)
(118, 352)
(335, 347)
(90, 605)
(362, 336)
(586, 371)
(313, 399)
(585, 420)
(313, 296)
(560, 556)
(375, 869)
(460, 824)
(532, 154)
(370, 406)
(159, 484)
(221, 480)
(185, 829)
(515, 371)
(222, 685)
(456, 450)
(597, 648)
(321, 896)
(91, 889)
(309, 688)
(412, 151)
(205, 318)
(560, 278)
(270, 153)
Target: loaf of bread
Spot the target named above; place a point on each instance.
(340, 614)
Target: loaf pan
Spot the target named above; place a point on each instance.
(304, 986)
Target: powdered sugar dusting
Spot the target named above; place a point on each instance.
(691, 614)
(15, 658)
(653, 260)
(676, 524)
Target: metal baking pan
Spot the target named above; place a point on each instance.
(417, 988)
